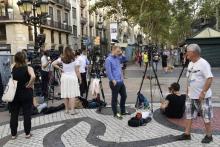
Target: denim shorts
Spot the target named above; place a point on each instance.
(194, 106)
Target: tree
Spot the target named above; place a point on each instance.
(161, 20)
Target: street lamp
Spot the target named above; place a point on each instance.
(100, 27)
(34, 13)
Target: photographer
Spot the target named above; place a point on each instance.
(174, 104)
(45, 67)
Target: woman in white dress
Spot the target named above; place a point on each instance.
(69, 78)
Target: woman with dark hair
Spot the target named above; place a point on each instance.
(69, 80)
(174, 104)
(24, 94)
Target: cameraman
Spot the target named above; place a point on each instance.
(45, 67)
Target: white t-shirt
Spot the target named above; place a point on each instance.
(197, 75)
(70, 68)
(82, 59)
(44, 61)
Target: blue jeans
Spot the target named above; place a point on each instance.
(119, 88)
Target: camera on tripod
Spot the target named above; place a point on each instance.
(97, 63)
(54, 54)
(40, 40)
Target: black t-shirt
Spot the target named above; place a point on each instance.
(176, 106)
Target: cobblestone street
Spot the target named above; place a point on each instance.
(89, 128)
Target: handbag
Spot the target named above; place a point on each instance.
(10, 90)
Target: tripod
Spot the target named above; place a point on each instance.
(142, 81)
(184, 66)
(51, 84)
(98, 76)
(156, 77)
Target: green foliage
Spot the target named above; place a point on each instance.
(163, 21)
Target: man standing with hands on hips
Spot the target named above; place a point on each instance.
(114, 73)
(200, 78)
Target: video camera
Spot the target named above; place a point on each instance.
(54, 54)
(97, 61)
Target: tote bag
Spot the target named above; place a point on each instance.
(10, 90)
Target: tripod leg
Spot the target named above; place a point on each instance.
(101, 88)
(145, 71)
(87, 90)
(158, 83)
(181, 73)
(103, 95)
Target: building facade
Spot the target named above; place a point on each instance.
(94, 26)
(15, 35)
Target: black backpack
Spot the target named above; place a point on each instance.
(135, 122)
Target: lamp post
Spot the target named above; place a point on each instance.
(100, 27)
(34, 13)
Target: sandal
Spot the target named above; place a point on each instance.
(72, 112)
(28, 136)
(66, 111)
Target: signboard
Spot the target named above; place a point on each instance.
(5, 47)
(113, 30)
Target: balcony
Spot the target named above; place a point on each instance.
(83, 3)
(53, 1)
(91, 23)
(58, 25)
(4, 17)
(83, 20)
(60, 3)
(67, 5)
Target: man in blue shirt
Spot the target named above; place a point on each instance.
(114, 73)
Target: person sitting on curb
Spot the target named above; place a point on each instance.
(174, 104)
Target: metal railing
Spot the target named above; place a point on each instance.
(58, 25)
(83, 20)
(64, 3)
(4, 17)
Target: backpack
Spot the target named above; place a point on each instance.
(135, 122)
(142, 101)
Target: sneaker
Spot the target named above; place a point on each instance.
(13, 137)
(207, 139)
(118, 116)
(126, 113)
(28, 136)
(184, 137)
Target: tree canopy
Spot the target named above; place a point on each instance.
(165, 21)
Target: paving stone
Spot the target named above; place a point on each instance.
(116, 132)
